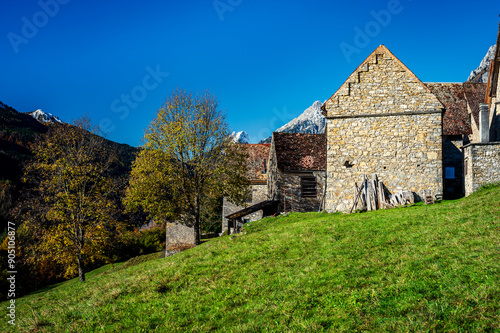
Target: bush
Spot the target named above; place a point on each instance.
(134, 243)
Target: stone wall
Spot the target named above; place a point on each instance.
(289, 185)
(404, 151)
(482, 165)
(258, 194)
(178, 233)
(453, 167)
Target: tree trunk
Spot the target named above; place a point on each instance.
(81, 271)
(197, 238)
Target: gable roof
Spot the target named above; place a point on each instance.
(475, 93)
(256, 162)
(300, 152)
(389, 71)
(456, 117)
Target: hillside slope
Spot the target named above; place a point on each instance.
(423, 268)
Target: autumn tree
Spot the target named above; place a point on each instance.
(187, 157)
(71, 219)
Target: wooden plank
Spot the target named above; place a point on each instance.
(357, 197)
(375, 193)
(367, 196)
(381, 195)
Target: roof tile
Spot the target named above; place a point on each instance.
(300, 152)
(456, 117)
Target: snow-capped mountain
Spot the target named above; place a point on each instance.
(240, 137)
(310, 121)
(481, 73)
(44, 117)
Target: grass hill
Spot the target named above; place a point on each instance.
(422, 268)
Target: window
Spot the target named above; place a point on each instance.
(465, 167)
(264, 167)
(449, 173)
(308, 186)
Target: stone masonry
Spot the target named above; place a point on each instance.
(383, 120)
(482, 165)
(179, 233)
(289, 187)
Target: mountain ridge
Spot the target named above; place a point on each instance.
(482, 72)
(44, 117)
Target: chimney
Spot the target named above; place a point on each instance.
(484, 128)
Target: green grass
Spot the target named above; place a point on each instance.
(417, 269)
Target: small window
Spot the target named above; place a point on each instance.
(264, 167)
(308, 187)
(465, 167)
(449, 173)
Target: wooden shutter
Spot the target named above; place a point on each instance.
(308, 186)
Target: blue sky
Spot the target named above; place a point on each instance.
(266, 61)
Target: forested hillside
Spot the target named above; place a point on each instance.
(20, 200)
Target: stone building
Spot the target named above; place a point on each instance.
(482, 155)
(415, 136)
(383, 120)
(296, 177)
(461, 102)
(257, 160)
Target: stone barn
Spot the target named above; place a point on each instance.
(383, 120)
(415, 136)
(296, 176)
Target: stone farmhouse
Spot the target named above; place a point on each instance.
(383, 120)
(415, 136)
